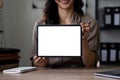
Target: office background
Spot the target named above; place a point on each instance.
(19, 19)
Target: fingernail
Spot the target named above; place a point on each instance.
(39, 57)
(43, 58)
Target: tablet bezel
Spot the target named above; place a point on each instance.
(60, 26)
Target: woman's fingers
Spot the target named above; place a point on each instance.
(85, 26)
(82, 25)
(35, 57)
(85, 29)
(40, 61)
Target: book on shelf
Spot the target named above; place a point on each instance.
(9, 54)
(8, 66)
(109, 17)
(9, 50)
(9, 61)
(110, 53)
(105, 17)
(116, 15)
(9, 57)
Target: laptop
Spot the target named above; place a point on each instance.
(59, 40)
(109, 73)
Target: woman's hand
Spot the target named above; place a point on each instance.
(39, 61)
(85, 30)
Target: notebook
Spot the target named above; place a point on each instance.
(110, 74)
(59, 40)
(19, 70)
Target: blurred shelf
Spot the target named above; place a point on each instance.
(110, 28)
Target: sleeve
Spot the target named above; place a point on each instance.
(34, 39)
(93, 39)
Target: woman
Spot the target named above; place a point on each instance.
(70, 12)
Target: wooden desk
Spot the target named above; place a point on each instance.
(59, 74)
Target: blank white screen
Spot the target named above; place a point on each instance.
(59, 41)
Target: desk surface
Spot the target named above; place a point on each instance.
(59, 74)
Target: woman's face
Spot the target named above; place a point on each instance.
(65, 4)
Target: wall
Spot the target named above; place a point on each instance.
(19, 18)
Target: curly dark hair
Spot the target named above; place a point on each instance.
(51, 11)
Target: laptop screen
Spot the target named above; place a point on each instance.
(60, 40)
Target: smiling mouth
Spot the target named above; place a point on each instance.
(65, 1)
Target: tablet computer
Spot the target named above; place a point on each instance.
(59, 40)
(109, 73)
